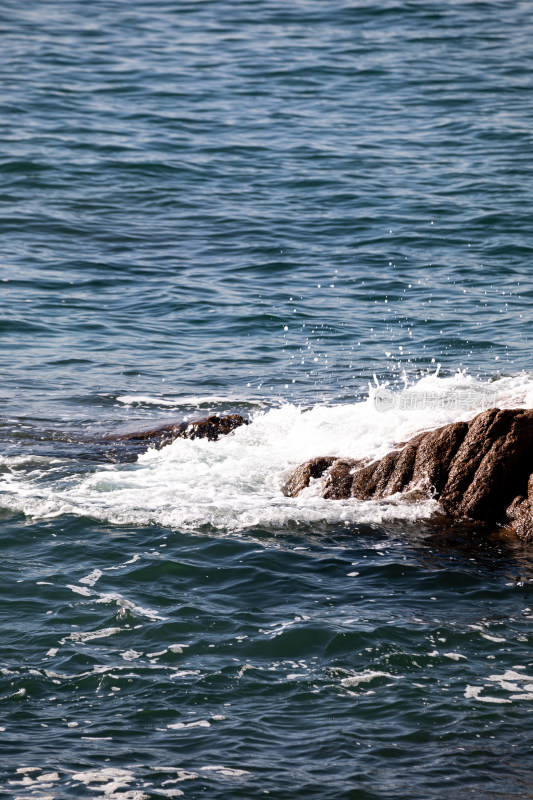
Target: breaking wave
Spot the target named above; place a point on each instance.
(236, 482)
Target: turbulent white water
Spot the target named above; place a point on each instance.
(236, 482)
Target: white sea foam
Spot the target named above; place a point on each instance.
(197, 401)
(110, 781)
(93, 576)
(225, 772)
(199, 723)
(83, 590)
(235, 483)
(87, 636)
(109, 598)
(493, 638)
(366, 676)
(510, 681)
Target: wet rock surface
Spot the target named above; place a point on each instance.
(480, 470)
(207, 428)
(126, 446)
(302, 475)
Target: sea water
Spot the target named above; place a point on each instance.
(317, 215)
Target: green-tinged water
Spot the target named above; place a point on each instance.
(258, 207)
(343, 664)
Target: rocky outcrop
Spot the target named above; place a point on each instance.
(126, 446)
(480, 470)
(207, 428)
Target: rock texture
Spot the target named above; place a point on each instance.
(480, 470)
(208, 428)
(126, 446)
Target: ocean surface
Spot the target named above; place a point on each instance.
(288, 210)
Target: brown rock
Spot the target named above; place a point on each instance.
(301, 477)
(366, 480)
(520, 514)
(435, 454)
(492, 466)
(213, 427)
(480, 470)
(208, 428)
(338, 481)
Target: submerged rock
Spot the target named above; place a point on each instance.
(207, 428)
(480, 470)
(210, 428)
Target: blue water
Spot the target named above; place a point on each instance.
(258, 207)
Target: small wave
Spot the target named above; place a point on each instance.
(195, 401)
(235, 483)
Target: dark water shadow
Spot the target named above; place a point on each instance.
(438, 543)
(117, 444)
